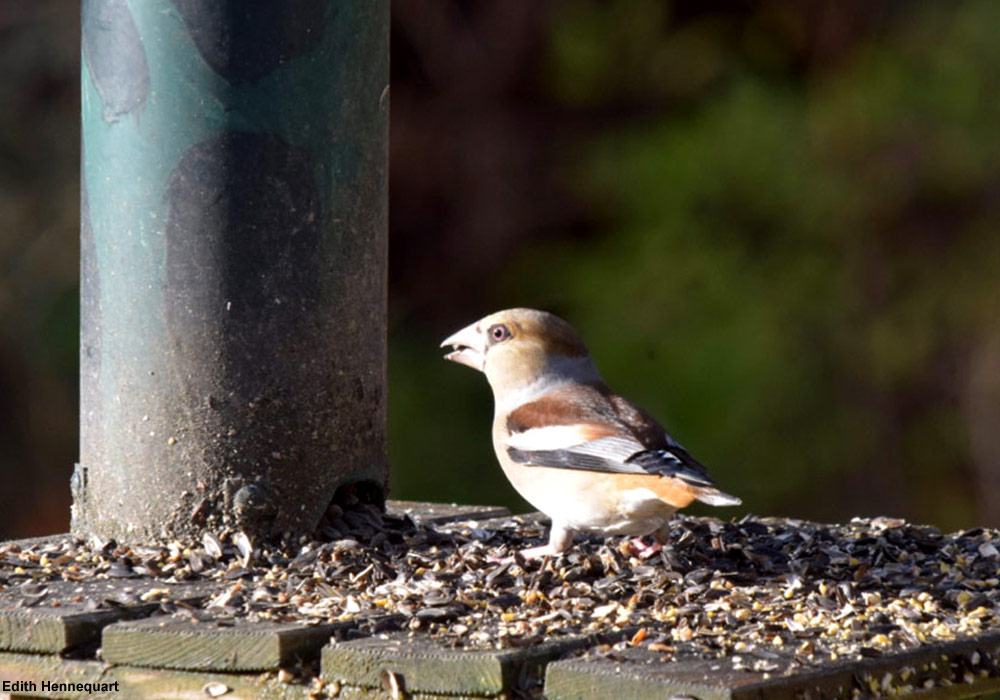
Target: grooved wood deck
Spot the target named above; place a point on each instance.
(142, 635)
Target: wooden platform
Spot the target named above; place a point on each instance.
(131, 636)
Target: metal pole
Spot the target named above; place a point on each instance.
(233, 263)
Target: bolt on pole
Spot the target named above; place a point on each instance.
(233, 277)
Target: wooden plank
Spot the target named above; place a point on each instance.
(140, 682)
(423, 666)
(168, 684)
(956, 669)
(221, 645)
(39, 541)
(53, 632)
(438, 513)
(62, 615)
(507, 519)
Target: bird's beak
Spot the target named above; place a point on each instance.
(468, 348)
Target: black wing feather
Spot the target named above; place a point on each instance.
(674, 462)
(566, 459)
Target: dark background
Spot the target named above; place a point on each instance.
(776, 223)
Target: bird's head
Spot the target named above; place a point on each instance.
(517, 348)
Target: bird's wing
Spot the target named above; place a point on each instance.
(588, 427)
(602, 448)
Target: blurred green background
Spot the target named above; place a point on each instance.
(776, 224)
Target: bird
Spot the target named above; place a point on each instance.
(591, 460)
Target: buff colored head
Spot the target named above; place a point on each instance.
(515, 347)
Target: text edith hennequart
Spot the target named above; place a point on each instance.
(57, 687)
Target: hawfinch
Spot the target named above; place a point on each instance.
(588, 458)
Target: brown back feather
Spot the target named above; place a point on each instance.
(595, 404)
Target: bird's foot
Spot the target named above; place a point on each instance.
(493, 559)
(560, 539)
(545, 550)
(637, 548)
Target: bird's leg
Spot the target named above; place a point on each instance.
(560, 538)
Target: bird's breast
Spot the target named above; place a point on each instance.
(617, 504)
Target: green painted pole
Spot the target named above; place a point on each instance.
(233, 263)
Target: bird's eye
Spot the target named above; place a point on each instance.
(499, 333)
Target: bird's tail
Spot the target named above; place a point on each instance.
(715, 497)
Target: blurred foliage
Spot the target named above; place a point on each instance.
(796, 264)
(39, 263)
(777, 225)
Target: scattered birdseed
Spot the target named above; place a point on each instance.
(771, 595)
(216, 690)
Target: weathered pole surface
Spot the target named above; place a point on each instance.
(233, 263)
